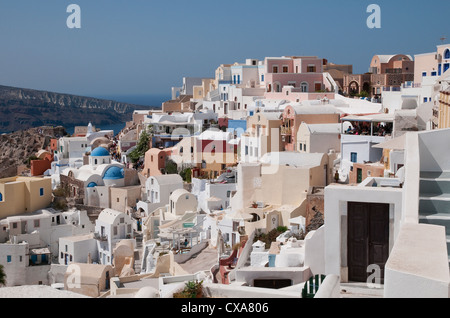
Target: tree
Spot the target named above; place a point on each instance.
(171, 167)
(2, 276)
(141, 148)
(186, 174)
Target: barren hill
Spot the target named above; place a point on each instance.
(22, 108)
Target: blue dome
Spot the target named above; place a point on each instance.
(114, 173)
(100, 152)
(92, 185)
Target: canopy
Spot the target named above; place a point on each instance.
(395, 143)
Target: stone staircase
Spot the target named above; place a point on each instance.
(434, 201)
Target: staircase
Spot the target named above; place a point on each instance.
(434, 201)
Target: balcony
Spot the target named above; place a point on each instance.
(286, 130)
(100, 237)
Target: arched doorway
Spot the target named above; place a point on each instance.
(353, 88)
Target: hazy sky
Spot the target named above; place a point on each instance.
(147, 46)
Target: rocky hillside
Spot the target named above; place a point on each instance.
(25, 108)
(17, 148)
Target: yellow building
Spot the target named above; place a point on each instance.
(24, 194)
(444, 109)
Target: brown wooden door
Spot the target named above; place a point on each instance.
(367, 239)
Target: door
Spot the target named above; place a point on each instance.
(358, 175)
(367, 239)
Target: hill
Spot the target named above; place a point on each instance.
(22, 108)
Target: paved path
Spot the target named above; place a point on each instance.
(202, 262)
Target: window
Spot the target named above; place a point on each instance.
(20, 258)
(228, 194)
(14, 225)
(41, 192)
(424, 73)
(446, 67)
(285, 69)
(115, 230)
(425, 99)
(447, 54)
(62, 255)
(311, 69)
(434, 73)
(275, 69)
(301, 146)
(36, 223)
(118, 200)
(129, 228)
(1, 197)
(122, 220)
(66, 248)
(246, 150)
(262, 78)
(8, 258)
(353, 157)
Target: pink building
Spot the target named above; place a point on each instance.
(297, 78)
(155, 161)
(304, 73)
(386, 73)
(432, 64)
(293, 116)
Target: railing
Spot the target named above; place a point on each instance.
(412, 85)
(286, 130)
(99, 237)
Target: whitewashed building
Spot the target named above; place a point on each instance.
(111, 227)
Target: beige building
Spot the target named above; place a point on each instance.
(444, 109)
(88, 279)
(24, 194)
(319, 138)
(262, 136)
(122, 199)
(182, 201)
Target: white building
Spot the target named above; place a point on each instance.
(214, 195)
(157, 192)
(402, 218)
(69, 153)
(78, 249)
(29, 243)
(111, 227)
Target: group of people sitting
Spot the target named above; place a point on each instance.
(364, 128)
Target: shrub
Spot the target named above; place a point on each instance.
(192, 289)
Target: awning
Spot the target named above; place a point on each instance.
(395, 143)
(387, 118)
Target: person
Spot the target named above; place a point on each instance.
(185, 242)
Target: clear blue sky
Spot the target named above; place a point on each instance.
(147, 46)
